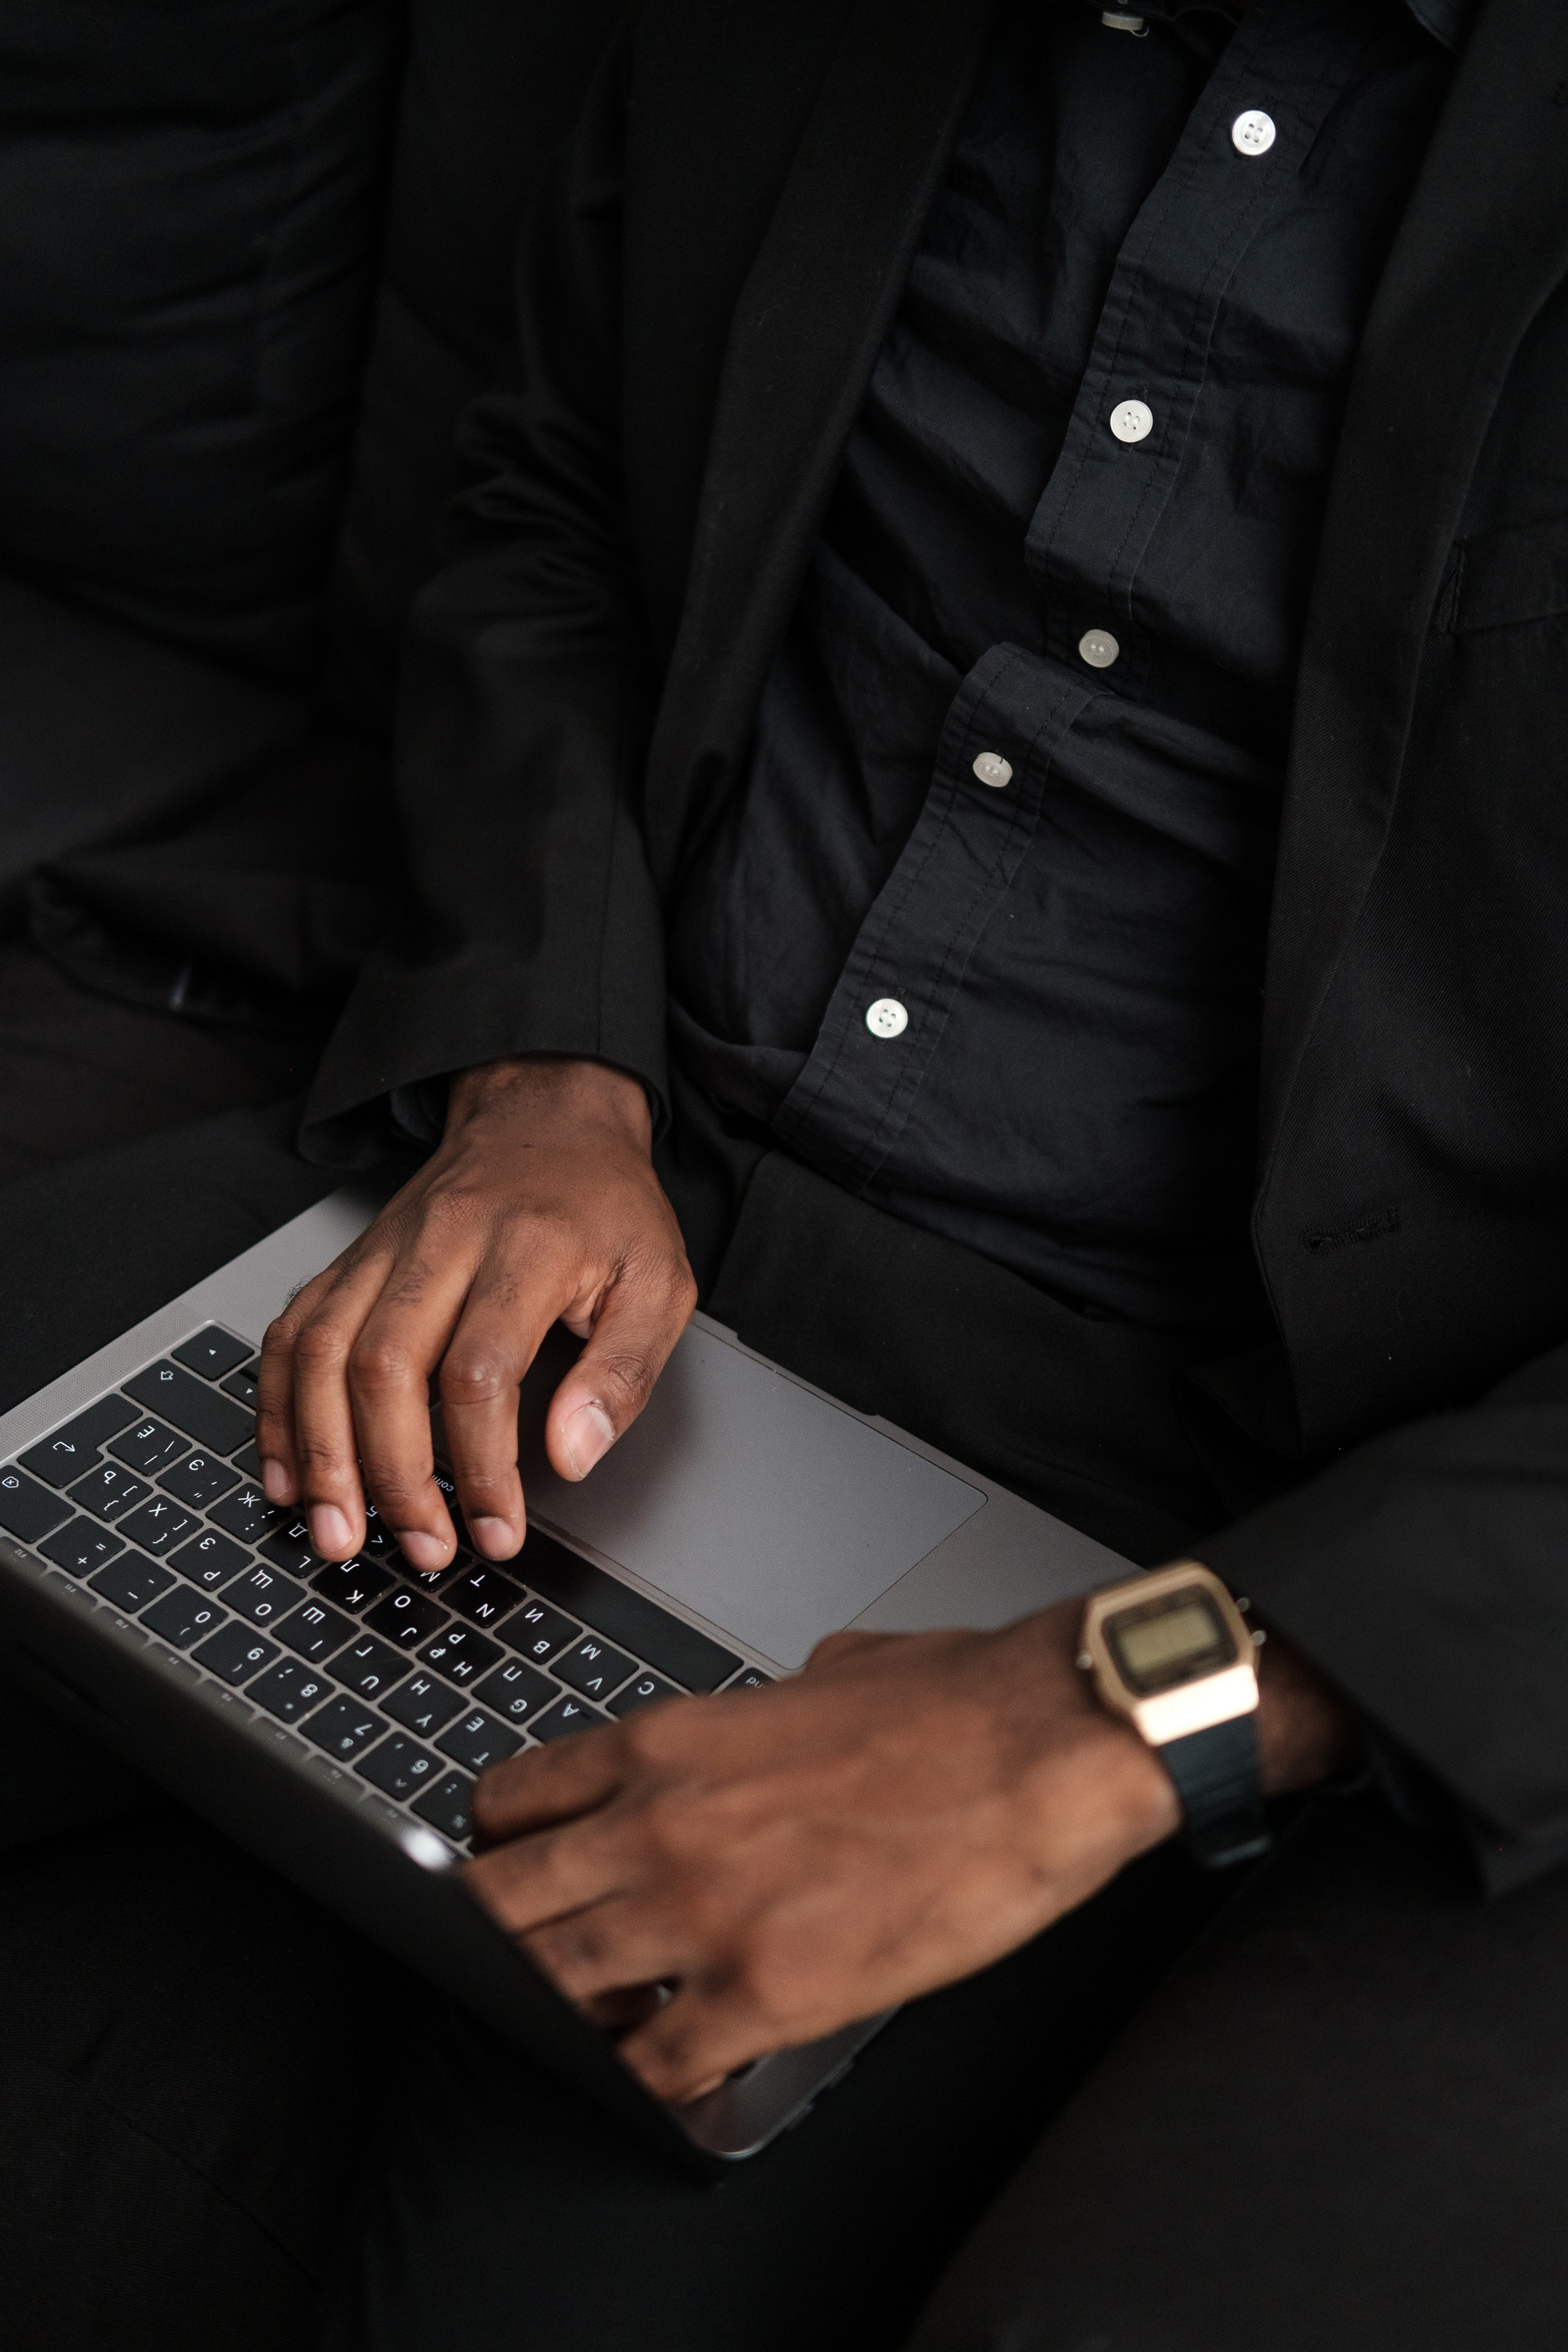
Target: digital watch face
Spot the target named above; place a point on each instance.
(1158, 1644)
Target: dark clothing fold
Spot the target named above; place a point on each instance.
(713, 275)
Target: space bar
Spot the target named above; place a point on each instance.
(622, 1615)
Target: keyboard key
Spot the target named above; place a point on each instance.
(30, 1511)
(434, 1579)
(406, 1617)
(350, 1584)
(107, 1492)
(160, 1524)
(211, 1420)
(343, 1727)
(368, 1668)
(263, 1596)
(130, 1582)
(477, 1739)
(172, 1662)
(314, 1630)
(247, 1462)
(213, 1352)
(516, 1691)
(209, 1559)
(750, 1678)
(248, 1515)
(148, 1446)
(594, 1668)
(228, 1703)
(447, 1806)
(612, 1609)
(398, 1767)
(183, 1617)
(460, 1654)
(539, 1630)
(289, 1690)
(199, 1480)
(80, 1546)
(65, 1453)
(289, 1550)
(378, 1543)
(423, 1705)
(236, 1653)
(568, 1715)
(241, 1387)
(281, 1742)
(483, 1596)
(643, 1690)
(342, 1783)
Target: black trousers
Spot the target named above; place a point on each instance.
(1328, 2103)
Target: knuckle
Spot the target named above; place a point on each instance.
(323, 1454)
(628, 1374)
(379, 1367)
(470, 1377)
(765, 1976)
(319, 1345)
(668, 1824)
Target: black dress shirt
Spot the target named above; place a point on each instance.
(980, 937)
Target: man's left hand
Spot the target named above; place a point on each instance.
(909, 1808)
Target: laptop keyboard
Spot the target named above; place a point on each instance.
(395, 1686)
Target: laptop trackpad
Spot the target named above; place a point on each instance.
(774, 1514)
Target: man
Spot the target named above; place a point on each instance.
(1019, 587)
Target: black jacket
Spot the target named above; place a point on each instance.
(703, 300)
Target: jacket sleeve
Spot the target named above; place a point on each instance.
(525, 708)
(1425, 1573)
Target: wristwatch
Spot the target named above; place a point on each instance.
(1173, 1653)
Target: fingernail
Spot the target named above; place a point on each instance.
(588, 1436)
(495, 1538)
(329, 1531)
(421, 1550)
(274, 1481)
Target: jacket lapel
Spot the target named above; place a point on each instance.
(806, 331)
(1482, 244)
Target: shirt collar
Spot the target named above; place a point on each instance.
(1446, 20)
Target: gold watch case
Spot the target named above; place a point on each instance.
(1191, 1700)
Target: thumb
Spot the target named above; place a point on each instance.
(644, 1314)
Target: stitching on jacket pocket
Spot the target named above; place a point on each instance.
(1504, 577)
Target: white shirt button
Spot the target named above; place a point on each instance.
(887, 1017)
(993, 770)
(1253, 133)
(1132, 421)
(1098, 648)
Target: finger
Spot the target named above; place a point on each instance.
(624, 1941)
(696, 2039)
(528, 1883)
(397, 1349)
(545, 1785)
(275, 1392)
(644, 1311)
(507, 1316)
(325, 1450)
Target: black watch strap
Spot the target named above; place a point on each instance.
(1216, 1776)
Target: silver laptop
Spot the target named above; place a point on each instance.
(332, 1719)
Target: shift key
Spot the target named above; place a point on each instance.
(211, 1420)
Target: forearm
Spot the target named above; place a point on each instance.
(1424, 1574)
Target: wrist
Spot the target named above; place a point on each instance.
(550, 1088)
(1082, 1766)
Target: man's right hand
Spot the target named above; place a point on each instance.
(540, 1205)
